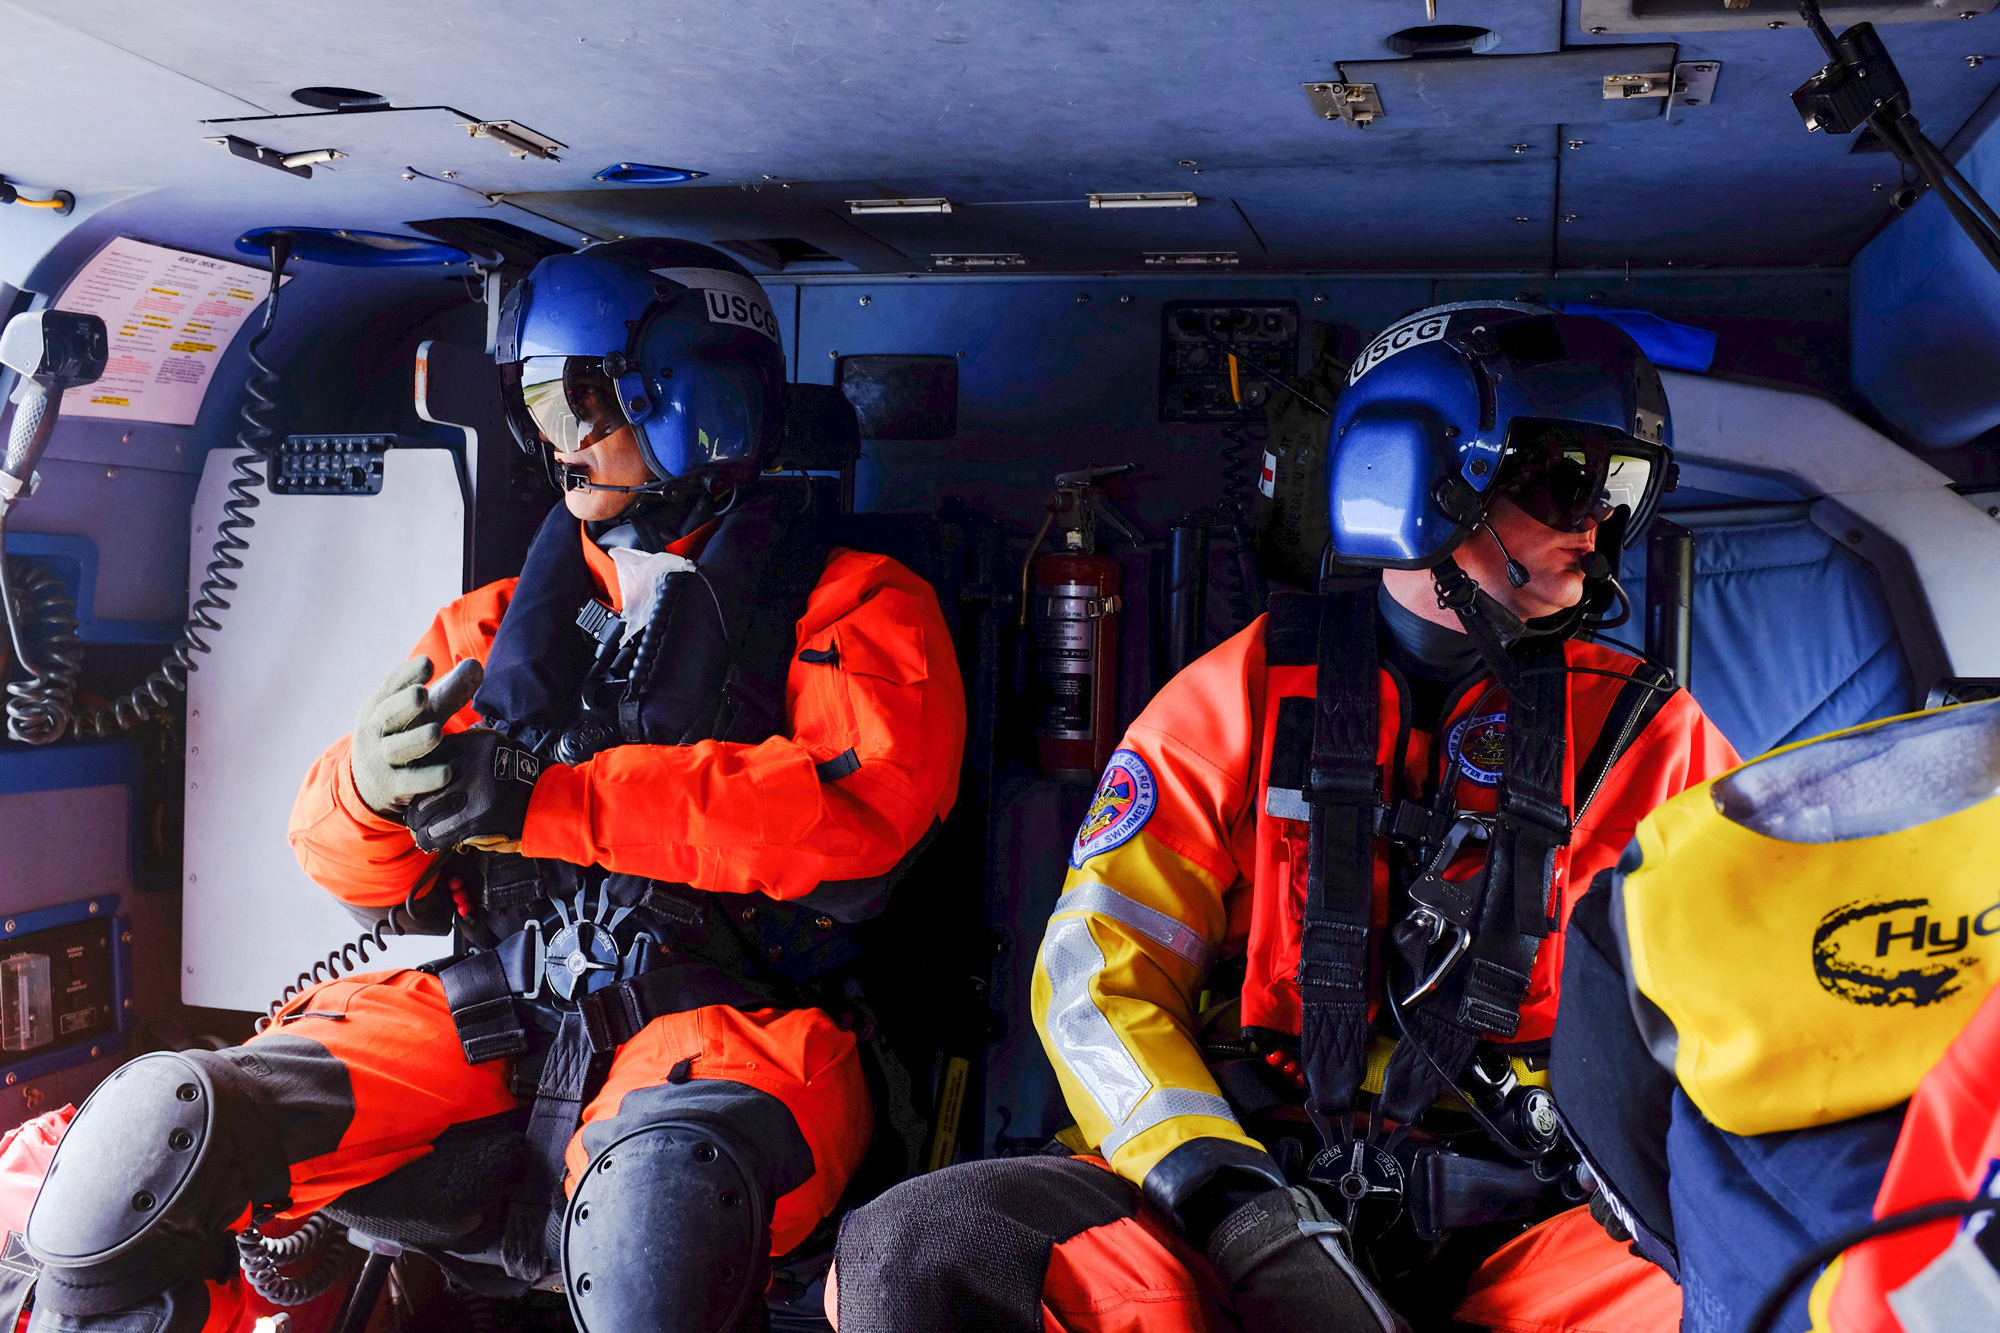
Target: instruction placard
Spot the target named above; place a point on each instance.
(170, 315)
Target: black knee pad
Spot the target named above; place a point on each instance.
(162, 1157)
(669, 1230)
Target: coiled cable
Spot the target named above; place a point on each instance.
(38, 708)
(263, 1260)
(351, 958)
(154, 695)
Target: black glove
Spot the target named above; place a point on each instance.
(1282, 1267)
(486, 802)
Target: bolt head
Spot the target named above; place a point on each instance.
(1575, 144)
(867, 300)
(1597, 32)
(1775, 23)
(1520, 148)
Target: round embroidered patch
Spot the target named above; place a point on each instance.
(1124, 802)
(1478, 745)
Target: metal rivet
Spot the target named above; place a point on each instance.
(94, 1052)
(833, 353)
(1597, 32)
(449, 175)
(1319, 298)
(1775, 23)
(583, 1284)
(1975, 62)
(128, 1004)
(1520, 148)
(583, 1212)
(1188, 162)
(125, 937)
(143, 1201)
(867, 300)
(93, 909)
(1124, 298)
(1575, 144)
(704, 1152)
(1968, 14)
(409, 175)
(1520, 219)
(1569, 217)
(188, 1092)
(1083, 298)
(180, 1140)
(729, 1200)
(748, 915)
(11, 1078)
(10, 925)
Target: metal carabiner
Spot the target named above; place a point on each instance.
(1434, 923)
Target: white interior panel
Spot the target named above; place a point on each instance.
(334, 592)
(1949, 546)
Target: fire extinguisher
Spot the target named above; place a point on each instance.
(1075, 602)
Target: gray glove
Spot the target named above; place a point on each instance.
(399, 724)
(1283, 1267)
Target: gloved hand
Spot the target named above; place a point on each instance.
(485, 802)
(400, 723)
(1282, 1267)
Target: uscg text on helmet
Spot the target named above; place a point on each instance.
(1398, 338)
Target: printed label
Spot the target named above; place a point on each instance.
(1398, 338)
(1267, 480)
(729, 298)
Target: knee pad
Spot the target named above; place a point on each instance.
(162, 1157)
(667, 1230)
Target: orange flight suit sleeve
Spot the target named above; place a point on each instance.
(737, 818)
(348, 849)
(1144, 912)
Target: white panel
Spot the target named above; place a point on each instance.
(334, 592)
(1948, 543)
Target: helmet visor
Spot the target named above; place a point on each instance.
(570, 400)
(1568, 475)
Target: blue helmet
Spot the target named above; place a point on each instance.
(1445, 409)
(672, 338)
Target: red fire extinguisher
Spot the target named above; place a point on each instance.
(1075, 602)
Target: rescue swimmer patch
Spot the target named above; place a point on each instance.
(1124, 802)
(1870, 953)
(729, 298)
(1478, 745)
(1399, 338)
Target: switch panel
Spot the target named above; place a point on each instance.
(329, 465)
(1196, 343)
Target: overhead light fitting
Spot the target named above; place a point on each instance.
(1191, 258)
(516, 138)
(980, 261)
(899, 205)
(1157, 199)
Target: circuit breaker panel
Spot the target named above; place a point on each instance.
(1196, 344)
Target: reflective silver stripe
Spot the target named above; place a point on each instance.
(1154, 924)
(1286, 803)
(1161, 1107)
(1079, 1031)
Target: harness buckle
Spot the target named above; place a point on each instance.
(1445, 905)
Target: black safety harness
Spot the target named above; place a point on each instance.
(1324, 768)
(562, 964)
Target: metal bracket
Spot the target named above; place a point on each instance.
(1619, 86)
(1355, 103)
(1694, 84)
(516, 138)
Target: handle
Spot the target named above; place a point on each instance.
(34, 421)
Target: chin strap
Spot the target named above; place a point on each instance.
(1490, 625)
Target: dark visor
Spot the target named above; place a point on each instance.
(1567, 474)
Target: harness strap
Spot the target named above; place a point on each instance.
(1342, 794)
(481, 998)
(570, 1076)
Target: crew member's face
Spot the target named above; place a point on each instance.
(1554, 561)
(613, 460)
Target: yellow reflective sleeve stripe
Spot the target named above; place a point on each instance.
(1155, 925)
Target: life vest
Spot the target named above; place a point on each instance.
(1484, 807)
